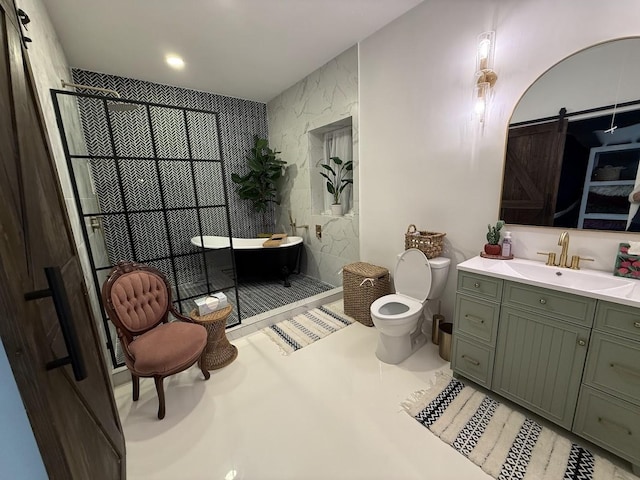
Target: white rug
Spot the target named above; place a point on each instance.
(304, 329)
(502, 441)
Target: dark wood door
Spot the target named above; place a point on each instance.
(532, 173)
(75, 423)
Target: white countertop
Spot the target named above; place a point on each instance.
(585, 282)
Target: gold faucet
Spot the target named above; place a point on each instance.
(563, 241)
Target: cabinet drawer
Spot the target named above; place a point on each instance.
(472, 360)
(609, 422)
(613, 365)
(619, 319)
(480, 285)
(559, 305)
(477, 318)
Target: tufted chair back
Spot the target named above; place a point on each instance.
(140, 300)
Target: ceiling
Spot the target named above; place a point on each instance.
(251, 49)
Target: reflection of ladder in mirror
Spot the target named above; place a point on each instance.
(625, 156)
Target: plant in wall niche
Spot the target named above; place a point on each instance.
(338, 177)
(492, 247)
(260, 184)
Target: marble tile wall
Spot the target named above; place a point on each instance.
(327, 96)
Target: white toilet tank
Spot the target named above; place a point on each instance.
(439, 274)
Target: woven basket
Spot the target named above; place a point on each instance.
(430, 243)
(362, 284)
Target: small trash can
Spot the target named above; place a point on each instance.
(445, 331)
(435, 332)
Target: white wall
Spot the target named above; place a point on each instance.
(326, 96)
(421, 158)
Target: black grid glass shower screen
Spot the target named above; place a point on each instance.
(147, 178)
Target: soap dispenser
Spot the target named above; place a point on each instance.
(506, 245)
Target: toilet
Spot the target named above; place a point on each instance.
(399, 316)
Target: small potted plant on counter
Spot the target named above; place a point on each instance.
(492, 247)
(337, 181)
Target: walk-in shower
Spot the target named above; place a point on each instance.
(147, 178)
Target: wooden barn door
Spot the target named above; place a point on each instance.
(532, 173)
(44, 308)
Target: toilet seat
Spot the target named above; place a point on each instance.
(412, 276)
(414, 307)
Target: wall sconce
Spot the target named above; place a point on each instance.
(485, 76)
(481, 99)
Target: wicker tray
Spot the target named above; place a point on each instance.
(362, 284)
(429, 243)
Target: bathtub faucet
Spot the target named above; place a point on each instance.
(294, 227)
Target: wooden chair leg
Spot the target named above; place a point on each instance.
(203, 369)
(160, 390)
(135, 381)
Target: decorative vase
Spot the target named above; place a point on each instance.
(490, 249)
(336, 209)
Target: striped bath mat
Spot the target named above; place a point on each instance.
(503, 442)
(306, 328)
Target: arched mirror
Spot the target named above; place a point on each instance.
(574, 143)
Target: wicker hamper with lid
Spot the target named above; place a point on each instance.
(362, 284)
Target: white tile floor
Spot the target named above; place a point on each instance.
(328, 411)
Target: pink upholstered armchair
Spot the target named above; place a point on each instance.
(138, 301)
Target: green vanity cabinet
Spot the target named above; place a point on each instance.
(571, 359)
(608, 411)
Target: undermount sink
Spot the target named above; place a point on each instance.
(585, 280)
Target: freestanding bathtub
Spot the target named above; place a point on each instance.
(255, 261)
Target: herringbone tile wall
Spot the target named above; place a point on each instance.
(185, 143)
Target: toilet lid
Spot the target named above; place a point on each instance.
(413, 275)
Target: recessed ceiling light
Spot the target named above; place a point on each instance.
(174, 61)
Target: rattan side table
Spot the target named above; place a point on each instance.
(219, 352)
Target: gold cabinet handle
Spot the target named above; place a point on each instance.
(543, 301)
(629, 371)
(606, 421)
(477, 285)
(473, 318)
(471, 360)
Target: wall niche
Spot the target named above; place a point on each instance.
(333, 139)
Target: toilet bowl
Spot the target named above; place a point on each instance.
(399, 316)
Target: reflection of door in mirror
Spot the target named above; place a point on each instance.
(532, 173)
(597, 89)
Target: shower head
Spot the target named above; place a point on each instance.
(112, 106)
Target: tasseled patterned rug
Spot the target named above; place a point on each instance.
(308, 327)
(502, 441)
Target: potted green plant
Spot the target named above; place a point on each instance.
(492, 247)
(338, 177)
(260, 184)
